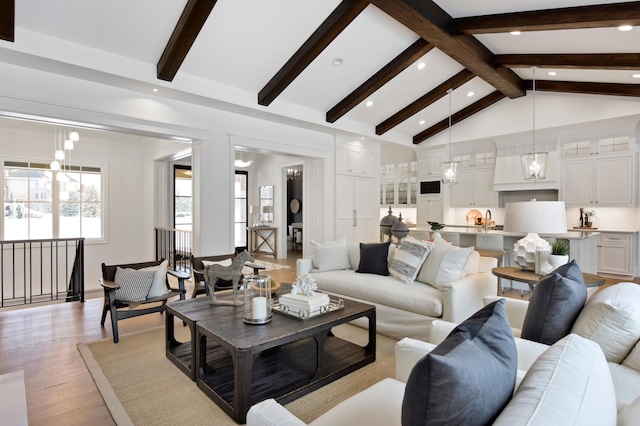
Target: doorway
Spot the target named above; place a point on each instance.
(294, 205)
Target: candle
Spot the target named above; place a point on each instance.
(259, 307)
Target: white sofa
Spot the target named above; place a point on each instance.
(611, 318)
(570, 385)
(407, 310)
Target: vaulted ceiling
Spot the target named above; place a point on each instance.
(331, 58)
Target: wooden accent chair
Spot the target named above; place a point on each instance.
(197, 270)
(121, 309)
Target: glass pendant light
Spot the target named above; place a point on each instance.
(449, 169)
(534, 164)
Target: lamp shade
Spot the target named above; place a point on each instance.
(540, 217)
(533, 217)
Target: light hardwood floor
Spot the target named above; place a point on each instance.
(42, 341)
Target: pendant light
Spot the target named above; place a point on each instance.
(449, 169)
(534, 164)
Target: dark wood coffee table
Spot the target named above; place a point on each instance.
(241, 364)
(190, 311)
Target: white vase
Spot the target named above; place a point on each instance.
(557, 260)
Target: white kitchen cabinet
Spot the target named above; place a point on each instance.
(429, 163)
(429, 210)
(354, 160)
(474, 188)
(398, 191)
(357, 213)
(615, 253)
(604, 181)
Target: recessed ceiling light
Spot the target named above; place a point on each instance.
(421, 122)
(516, 33)
(470, 94)
(337, 62)
(635, 75)
(421, 65)
(369, 103)
(155, 89)
(625, 28)
(552, 73)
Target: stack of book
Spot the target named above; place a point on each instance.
(303, 305)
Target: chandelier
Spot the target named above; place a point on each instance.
(449, 169)
(534, 164)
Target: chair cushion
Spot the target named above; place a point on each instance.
(555, 303)
(330, 256)
(408, 259)
(159, 285)
(134, 284)
(611, 318)
(374, 258)
(469, 377)
(569, 384)
(444, 264)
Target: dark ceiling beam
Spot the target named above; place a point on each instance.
(194, 15)
(379, 79)
(339, 19)
(430, 22)
(567, 18)
(587, 88)
(7, 20)
(464, 113)
(424, 101)
(596, 61)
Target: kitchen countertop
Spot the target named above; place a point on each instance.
(474, 230)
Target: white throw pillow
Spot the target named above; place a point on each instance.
(444, 264)
(225, 262)
(408, 259)
(629, 414)
(611, 318)
(330, 256)
(134, 284)
(569, 384)
(159, 285)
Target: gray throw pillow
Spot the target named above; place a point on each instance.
(469, 378)
(374, 258)
(554, 305)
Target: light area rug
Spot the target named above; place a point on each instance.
(140, 386)
(268, 266)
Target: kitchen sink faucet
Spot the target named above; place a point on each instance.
(487, 216)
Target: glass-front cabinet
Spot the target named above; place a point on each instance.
(399, 184)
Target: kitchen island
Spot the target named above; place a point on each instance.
(582, 244)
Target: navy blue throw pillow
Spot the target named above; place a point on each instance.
(469, 378)
(374, 258)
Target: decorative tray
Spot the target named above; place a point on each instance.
(302, 314)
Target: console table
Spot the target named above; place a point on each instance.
(263, 240)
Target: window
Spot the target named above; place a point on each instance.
(240, 210)
(40, 203)
(183, 197)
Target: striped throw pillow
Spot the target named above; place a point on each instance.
(134, 284)
(408, 259)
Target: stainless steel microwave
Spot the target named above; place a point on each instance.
(430, 187)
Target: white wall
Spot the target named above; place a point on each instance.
(131, 204)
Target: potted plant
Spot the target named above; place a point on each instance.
(589, 216)
(435, 227)
(559, 254)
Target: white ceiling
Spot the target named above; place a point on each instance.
(245, 42)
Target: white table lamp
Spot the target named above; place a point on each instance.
(534, 217)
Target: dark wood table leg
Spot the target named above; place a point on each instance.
(242, 370)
